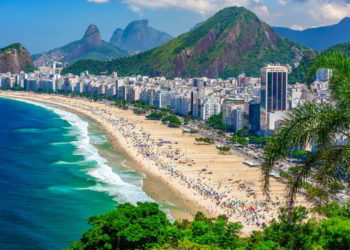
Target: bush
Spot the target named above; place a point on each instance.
(172, 120)
(146, 227)
(155, 116)
(205, 140)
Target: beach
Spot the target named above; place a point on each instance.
(203, 178)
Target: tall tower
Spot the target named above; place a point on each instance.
(274, 80)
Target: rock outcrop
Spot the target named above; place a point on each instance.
(15, 58)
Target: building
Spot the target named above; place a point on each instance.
(233, 114)
(274, 80)
(254, 116)
(208, 107)
(162, 99)
(323, 75)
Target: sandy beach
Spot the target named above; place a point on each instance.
(207, 180)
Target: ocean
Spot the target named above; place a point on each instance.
(56, 170)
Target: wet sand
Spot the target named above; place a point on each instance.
(205, 180)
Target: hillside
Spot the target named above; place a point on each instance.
(300, 74)
(320, 38)
(138, 36)
(342, 48)
(91, 46)
(15, 58)
(233, 41)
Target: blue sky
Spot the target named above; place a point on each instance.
(45, 24)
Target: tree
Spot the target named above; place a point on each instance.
(172, 120)
(316, 123)
(223, 149)
(128, 227)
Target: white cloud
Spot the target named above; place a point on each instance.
(329, 12)
(200, 6)
(262, 11)
(297, 27)
(282, 2)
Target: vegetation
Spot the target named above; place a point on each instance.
(258, 50)
(205, 140)
(122, 104)
(156, 116)
(223, 149)
(299, 74)
(139, 111)
(318, 124)
(145, 226)
(172, 120)
(300, 154)
(215, 122)
(15, 46)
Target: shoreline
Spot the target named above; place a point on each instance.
(183, 208)
(208, 181)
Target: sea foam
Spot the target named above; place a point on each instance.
(108, 181)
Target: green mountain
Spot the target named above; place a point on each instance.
(233, 41)
(91, 46)
(299, 74)
(342, 48)
(320, 38)
(138, 36)
(15, 58)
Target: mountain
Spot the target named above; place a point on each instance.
(320, 38)
(91, 46)
(138, 36)
(233, 41)
(343, 48)
(15, 58)
(300, 73)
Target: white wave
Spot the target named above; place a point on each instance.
(59, 143)
(111, 182)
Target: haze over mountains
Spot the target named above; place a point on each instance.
(320, 38)
(138, 36)
(91, 46)
(231, 42)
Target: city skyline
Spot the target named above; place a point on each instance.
(53, 27)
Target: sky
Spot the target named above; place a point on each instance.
(41, 25)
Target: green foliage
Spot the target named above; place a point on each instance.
(155, 116)
(205, 140)
(300, 154)
(316, 123)
(300, 74)
(139, 111)
(147, 227)
(172, 120)
(241, 140)
(223, 149)
(127, 227)
(215, 122)
(250, 51)
(334, 209)
(141, 105)
(15, 46)
(122, 104)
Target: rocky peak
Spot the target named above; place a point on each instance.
(138, 24)
(117, 37)
(92, 36)
(345, 20)
(15, 58)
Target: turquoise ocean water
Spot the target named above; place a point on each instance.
(56, 170)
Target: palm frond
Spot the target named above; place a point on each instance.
(335, 60)
(309, 123)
